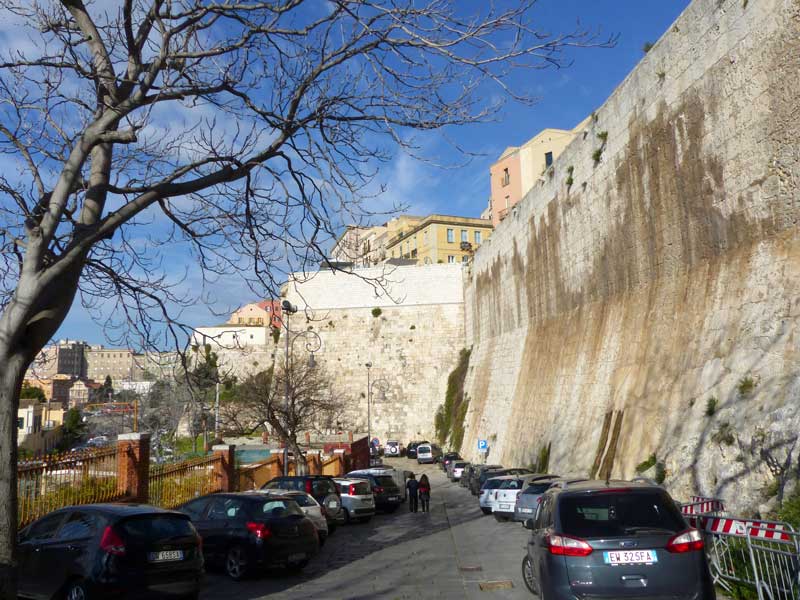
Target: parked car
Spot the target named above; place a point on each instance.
(400, 476)
(245, 532)
(321, 487)
(109, 551)
(393, 449)
(447, 458)
(358, 501)
(615, 539)
(498, 472)
(528, 498)
(505, 497)
(411, 449)
(457, 470)
(310, 508)
(488, 497)
(473, 485)
(467, 475)
(428, 454)
(385, 491)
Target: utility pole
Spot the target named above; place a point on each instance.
(216, 412)
(369, 401)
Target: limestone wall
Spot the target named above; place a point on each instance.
(604, 314)
(413, 344)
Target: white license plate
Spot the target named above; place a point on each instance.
(505, 507)
(165, 555)
(630, 557)
(526, 510)
(394, 498)
(332, 504)
(297, 557)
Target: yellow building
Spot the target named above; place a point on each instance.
(436, 238)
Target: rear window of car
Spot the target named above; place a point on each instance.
(156, 527)
(618, 514)
(423, 449)
(460, 465)
(284, 484)
(322, 487)
(275, 508)
(385, 481)
(392, 443)
(303, 500)
(537, 488)
(492, 484)
(511, 484)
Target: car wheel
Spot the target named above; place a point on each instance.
(528, 577)
(76, 590)
(486, 511)
(236, 563)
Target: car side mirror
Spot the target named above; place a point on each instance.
(529, 524)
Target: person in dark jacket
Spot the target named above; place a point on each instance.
(412, 485)
(424, 490)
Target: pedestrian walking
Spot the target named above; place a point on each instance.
(412, 485)
(424, 490)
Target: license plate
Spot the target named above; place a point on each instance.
(297, 557)
(526, 510)
(630, 557)
(505, 506)
(165, 555)
(332, 504)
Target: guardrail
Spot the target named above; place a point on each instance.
(758, 555)
(50, 482)
(174, 484)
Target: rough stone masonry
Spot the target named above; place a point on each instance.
(651, 307)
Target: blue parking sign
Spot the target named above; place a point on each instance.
(482, 445)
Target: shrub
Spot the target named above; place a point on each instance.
(570, 181)
(790, 509)
(413, 327)
(542, 463)
(596, 155)
(276, 334)
(711, 406)
(376, 312)
(603, 136)
(661, 473)
(450, 423)
(647, 47)
(645, 465)
(661, 75)
(745, 386)
(771, 489)
(724, 434)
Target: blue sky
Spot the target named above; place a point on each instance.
(567, 96)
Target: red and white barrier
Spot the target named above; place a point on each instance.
(766, 530)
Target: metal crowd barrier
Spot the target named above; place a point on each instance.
(762, 555)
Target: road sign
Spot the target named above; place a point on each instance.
(376, 442)
(483, 446)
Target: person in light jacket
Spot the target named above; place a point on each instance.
(424, 490)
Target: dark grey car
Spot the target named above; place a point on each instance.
(617, 540)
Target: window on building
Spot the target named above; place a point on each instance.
(451, 236)
(464, 235)
(464, 258)
(506, 177)
(477, 237)
(21, 423)
(451, 258)
(507, 200)
(548, 159)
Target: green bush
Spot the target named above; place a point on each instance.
(376, 312)
(596, 155)
(745, 386)
(724, 434)
(647, 47)
(661, 473)
(449, 418)
(711, 406)
(647, 464)
(542, 463)
(603, 136)
(790, 509)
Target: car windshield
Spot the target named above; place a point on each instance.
(275, 508)
(618, 514)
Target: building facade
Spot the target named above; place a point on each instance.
(117, 363)
(39, 426)
(266, 313)
(65, 357)
(56, 388)
(520, 167)
(438, 239)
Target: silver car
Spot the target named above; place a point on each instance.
(530, 496)
(358, 502)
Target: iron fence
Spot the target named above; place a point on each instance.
(174, 484)
(53, 481)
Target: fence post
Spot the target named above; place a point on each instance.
(133, 466)
(225, 470)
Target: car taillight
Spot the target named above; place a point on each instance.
(352, 490)
(686, 541)
(564, 545)
(378, 489)
(112, 543)
(260, 530)
(308, 486)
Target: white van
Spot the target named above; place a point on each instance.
(428, 453)
(398, 475)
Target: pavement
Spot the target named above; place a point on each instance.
(444, 554)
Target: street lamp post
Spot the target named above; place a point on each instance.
(383, 385)
(313, 344)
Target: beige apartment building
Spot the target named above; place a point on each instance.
(438, 239)
(39, 426)
(117, 363)
(520, 167)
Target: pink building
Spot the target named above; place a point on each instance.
(266, 313)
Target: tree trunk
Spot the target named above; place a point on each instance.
(300, 466)
(13, 371)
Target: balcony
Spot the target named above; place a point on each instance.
(502, 214)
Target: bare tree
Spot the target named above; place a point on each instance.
(244, 131)
(306, 402)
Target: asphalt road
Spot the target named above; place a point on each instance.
(447, 553)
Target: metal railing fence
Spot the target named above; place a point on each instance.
(173, 484)
(53, 481)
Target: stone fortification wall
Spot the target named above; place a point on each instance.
(607, 312)
(413, 343)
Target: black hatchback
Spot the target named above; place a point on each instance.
(384, 489)
(247, 531)
(614, 540)
(110, 551)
